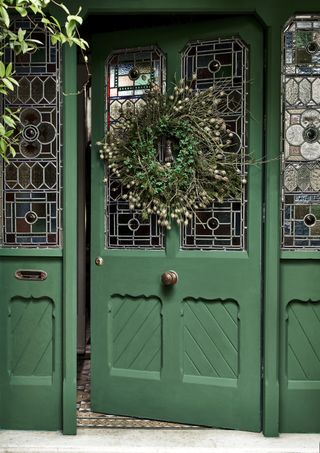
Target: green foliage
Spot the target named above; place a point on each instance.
(173, 155)
(22, 42)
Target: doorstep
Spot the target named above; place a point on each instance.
(155, 441)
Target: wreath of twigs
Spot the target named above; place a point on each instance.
(173, 153)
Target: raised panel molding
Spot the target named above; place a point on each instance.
(136, 331)
(303, 340)
(211, 337)
(31, 337)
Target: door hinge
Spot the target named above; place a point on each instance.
(263, 213)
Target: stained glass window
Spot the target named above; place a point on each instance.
(128, 76)
(301, 134)
(31, 181)
(223, 63)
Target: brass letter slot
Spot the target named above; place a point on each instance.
(29, 274)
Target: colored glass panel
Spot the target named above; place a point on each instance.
(31, 181)
(301, 134)
(223, 62)
(128, 76)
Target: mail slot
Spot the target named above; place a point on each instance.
(30, 274)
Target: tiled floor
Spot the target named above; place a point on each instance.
(88, 419)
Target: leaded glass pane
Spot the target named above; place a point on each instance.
(128, 76)
(301, 134)
(31, 181)
(222, 62)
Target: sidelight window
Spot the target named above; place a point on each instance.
(31, 181)
(301, 134)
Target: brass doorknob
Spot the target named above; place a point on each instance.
(169, 278)
(99, 261)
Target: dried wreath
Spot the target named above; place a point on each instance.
(173, 153)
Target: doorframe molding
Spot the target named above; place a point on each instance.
(70, 101)
(273, 16)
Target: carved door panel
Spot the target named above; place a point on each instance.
(188, 353)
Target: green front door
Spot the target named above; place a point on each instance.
(189, 353)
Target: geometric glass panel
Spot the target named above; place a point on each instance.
(31, 181)
(300, 168)
(128, 76)
(224, 63)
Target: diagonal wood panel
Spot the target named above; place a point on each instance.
(31, 337)
(136, 332)
(303, 342)
(211, 331)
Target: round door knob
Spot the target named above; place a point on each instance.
(99, 261)
(169, 278)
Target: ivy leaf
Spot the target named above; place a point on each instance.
(8, 120)
(5, 16)
(55, 22)
(3, 145)
(8, 84)
(9, 69)
(62, 6)
(2, 69)
(22, 11)
(77, 19)
(21, 34)
(13, 81)
(12, 150)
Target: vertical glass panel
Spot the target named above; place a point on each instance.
(222, 62)
(30, 193)
(301, 134)
(128, 76)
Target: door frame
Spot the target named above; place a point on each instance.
(272, 24)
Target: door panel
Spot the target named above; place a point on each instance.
(30, 338)
(300, 345)
(189, 353)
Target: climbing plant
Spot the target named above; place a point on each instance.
(20, 41)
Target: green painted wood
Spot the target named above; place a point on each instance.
(269, 13)
(30, 338)
(70, 241)
(300, 346)
(28, 252)
(204, 312)
(273, 15)
(272, 236)
(299, 255)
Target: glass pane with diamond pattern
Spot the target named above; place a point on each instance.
(31, 181)
(301, 134)
(128, 75)
(223, 63)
